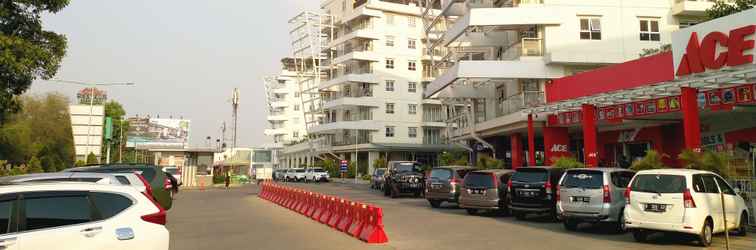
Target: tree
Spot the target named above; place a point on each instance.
(708, 161)
(35, 166)
(567, 162)
(92, 159)
(115, 111)
(27, 52)
(486, 162)
(652, 160)
(454, 158)
(725, 8)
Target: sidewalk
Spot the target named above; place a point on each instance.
(350, 181)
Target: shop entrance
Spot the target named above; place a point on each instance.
(624, 154)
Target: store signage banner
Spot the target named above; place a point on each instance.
(717, 99)
(714, 45)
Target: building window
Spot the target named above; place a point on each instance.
(412, 132)
(389, 131)
(390, 19)
(343, 5)
(296, 94)
(649, 30)
(295, 134)
(389, 85)
(412, 43)
(425, 85)
(389, 108)
(590, 28)
(389, 63)
(296, 107)
(389, 41)
(347, 91)
(412, 65)
(412, 109)
(411, 21)
(412, 87)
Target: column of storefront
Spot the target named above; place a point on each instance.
(516, 144)
(589, 136)
(691, 119)
(531, 141)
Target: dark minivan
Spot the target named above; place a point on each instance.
(443, 184)
(533, 190)
(486, 190)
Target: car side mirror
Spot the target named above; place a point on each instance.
(737, 190)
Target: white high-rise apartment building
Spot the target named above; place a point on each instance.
(371, 92)
(500, 54)
(285, 114)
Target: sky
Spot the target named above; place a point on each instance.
(185, 57)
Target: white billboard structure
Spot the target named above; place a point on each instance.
(87, 126)
(150, 133)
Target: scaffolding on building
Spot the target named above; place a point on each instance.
(310, 34)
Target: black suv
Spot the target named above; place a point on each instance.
(403, 177)
(534, 190)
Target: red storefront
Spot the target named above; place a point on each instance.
(700, 96)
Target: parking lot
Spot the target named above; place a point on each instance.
(237, 219)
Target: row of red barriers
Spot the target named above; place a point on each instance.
(359, 220)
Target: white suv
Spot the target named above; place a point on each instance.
(316, 175)
(682, 200)
(295, 174)
(68, 215)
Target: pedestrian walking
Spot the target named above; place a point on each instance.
(228, 179)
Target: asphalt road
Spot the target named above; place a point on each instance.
(237, 219)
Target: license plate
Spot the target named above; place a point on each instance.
(478, 191)
(581, 199)
(414, 185)
(527, 193)
(436, 186)
(651, 207)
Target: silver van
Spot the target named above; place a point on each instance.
(594, 195)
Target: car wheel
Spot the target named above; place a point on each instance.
(418, 194)
(435, 203)
(570, 225)
(393, 193)
(743, 228)
(704, 238)
(640, 235)
(472, 211)
(620, 227)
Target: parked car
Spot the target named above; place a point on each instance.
(684, 201)
(175, 172)
(131, 179)
(295, 174)
(443, 184)
(376, 179)
(159, 183)
(316, 175)
(532, 190)
(78, 215)
(98, 178)
(403, 177)
(486, 190)
(593, 195)
(279, 174)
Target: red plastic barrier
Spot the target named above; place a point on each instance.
(360, 211)
(327, 212)
(373, 231)
(347, 217)
(336, 213)
(320, 208)
(313, 205)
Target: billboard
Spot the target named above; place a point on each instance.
(157, 133)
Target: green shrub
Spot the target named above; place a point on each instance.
(709, 161)
(219, 179)
(652, 160)
(454, 158)
(331, 167)
(486, 162)
(366, 177)
(567, 162)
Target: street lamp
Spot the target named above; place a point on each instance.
(91, 106)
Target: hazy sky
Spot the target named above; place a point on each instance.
(185, 57)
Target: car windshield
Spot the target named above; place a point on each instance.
(171, 170)
(318, 170)
(300, 170)
(406, 167)
(380, 171)
(530, 175)
(441, 174)
(584, 179)
(659, 183)
(476, 179)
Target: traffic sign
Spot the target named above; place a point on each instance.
(344, 164)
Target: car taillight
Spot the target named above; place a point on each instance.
(607, 194)
(157, 218)
(558, 194)
(147, 187)
(548, 187)
(167, 183)
(627, 195)
(509, 185)
(688, 199)
(495, 180)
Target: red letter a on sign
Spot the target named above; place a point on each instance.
(691, 61)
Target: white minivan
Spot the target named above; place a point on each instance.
(684, 201)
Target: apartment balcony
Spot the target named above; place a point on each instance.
(691, 7)
(357, 98)
(520, 101)
(357, 55)
(364, 75)
(274, 131)
(277, 117)
(524, 68)
(333, 127)
(361, 138)
(508, 18)
(277, 103)
(358, 29)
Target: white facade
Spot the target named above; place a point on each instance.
(500, 54)
(372, 99)
(285, 111)
(87, 125)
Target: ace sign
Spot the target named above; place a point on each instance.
(717, 44)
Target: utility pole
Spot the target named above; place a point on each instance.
(120, 141)
(235, 105)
